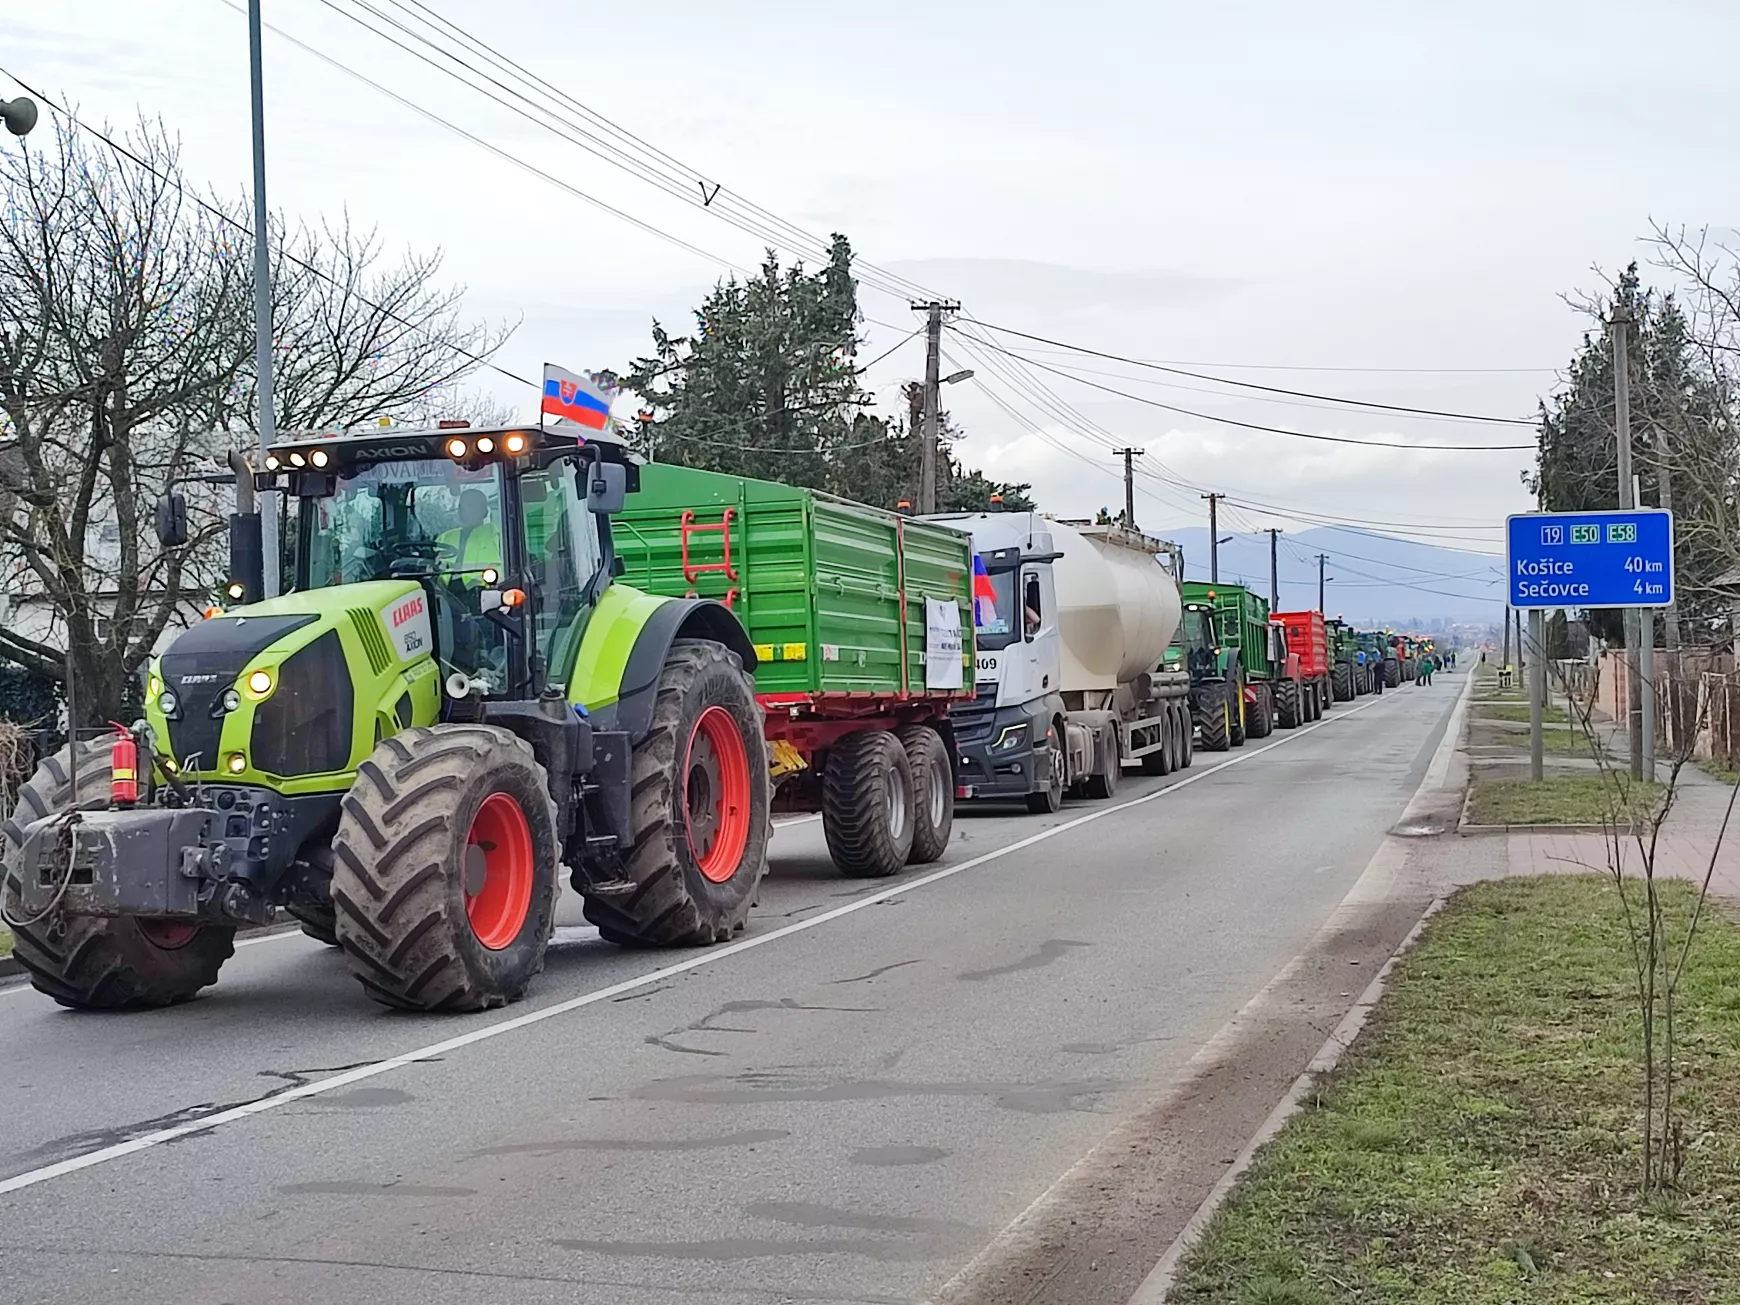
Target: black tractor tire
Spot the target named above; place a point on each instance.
(1260, 722)
(705, 701)
(1392, 673)
(1103, 783)
(933, 792)
(867, 804)
(87, 963)
(1185, 738)
(1213, 717)
(434, 812)
(1289, 710)
(1049, 800)
(1346, 688)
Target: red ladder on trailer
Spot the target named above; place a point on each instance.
(692, 569)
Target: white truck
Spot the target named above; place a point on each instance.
(1072, 622)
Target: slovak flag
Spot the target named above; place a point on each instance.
(580, 399)
(984, 597)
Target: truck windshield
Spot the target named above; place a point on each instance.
(401, 519)
(994, 616)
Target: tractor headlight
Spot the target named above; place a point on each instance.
(260, 683)
(235, 763)
(232, 700)
(168, 703)
(1012, 737)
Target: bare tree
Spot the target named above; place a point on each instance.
(126, 363)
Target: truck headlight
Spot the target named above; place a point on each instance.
(1012, 737)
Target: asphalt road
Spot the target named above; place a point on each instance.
(845, 1105)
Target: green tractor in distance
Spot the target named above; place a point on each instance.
(1347, 676)
(453, 699)
(1243, 681)
(1380, 660)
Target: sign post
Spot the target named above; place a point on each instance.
(1590, 560)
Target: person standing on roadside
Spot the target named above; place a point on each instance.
(1426, 668)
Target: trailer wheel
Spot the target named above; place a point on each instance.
(84, 962)
(1050, 799)
(1103, 783)
(444, 876)
(867, 801)
(1262, 717)
(933, 792)
(1235, 727)
(699, 808)
(1287, 704)
(1186, 741)
(1214, 717)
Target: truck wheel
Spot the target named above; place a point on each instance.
(867, 814)
(1261, 722)
(699, 808)
(1163, 760)
(88, 963)
(933, 792)
(1104, 782)
(1214, 717)
(1186, 749)
(444, 875)
(1050, 799)
(1287, 704)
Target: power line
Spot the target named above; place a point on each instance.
(1287, 367)
(1271, 430)
(1269, 389)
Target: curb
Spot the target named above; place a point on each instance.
(1158, 1283)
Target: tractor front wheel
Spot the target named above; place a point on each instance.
(700, 808)
(88, 963)
(1214, 716)
(444, 875)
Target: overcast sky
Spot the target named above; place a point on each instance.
(1355, 186)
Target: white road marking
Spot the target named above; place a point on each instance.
(30, 1178)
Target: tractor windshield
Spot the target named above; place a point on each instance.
(1196, 637)
(406, 519)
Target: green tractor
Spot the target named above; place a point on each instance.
(1378, 660)
(453, 699)
(1243, 682)
(1348, 676)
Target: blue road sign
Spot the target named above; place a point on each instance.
(1590, 559)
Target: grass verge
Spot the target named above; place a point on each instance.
(1478, 1145)
(1710, 766)
(1557, 800)
(1520, 712)
(5, 943)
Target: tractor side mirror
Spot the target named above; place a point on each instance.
(172, 520)
(606, 488)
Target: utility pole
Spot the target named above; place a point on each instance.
(1129, 483)
(1322, 561)
(1274, 569)
(268, 421)
(1213, 538)
(1670, 630)
(934, 311)
(1506, 659)
(1628, 501)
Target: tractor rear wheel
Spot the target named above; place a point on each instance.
(444, 876)
(1344, 682)
(1287, 705)
(88, 963)
(699, 808)
(933, 792)
(1214, 717)
(867, 802)
(1261, 722)
(1392, 673)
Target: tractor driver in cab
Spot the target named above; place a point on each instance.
(472, 545)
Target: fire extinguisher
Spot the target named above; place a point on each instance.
(123, 767)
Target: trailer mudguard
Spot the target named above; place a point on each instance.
(623, 650)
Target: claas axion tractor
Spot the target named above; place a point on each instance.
(454, 698)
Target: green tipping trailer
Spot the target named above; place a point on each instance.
(863, 632)
(1246, 683)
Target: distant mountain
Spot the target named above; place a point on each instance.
(1374, 579)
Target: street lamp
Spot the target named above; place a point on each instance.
(965, 374)
(19, 115)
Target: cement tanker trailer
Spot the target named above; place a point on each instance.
(1072, 622)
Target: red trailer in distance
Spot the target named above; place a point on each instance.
(1307, 637)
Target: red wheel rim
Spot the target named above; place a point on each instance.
(716, 795)
(167, 935)
(498, 871)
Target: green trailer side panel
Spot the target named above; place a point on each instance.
(815, 580)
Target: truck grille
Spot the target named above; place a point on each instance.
(972, 721)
